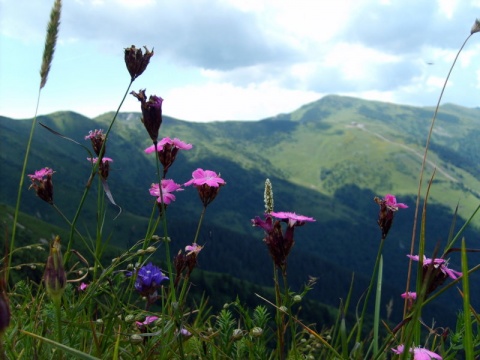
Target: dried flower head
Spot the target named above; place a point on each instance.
(388, 207)
(42, 183)
(475, 27)
(55, 276)
(151, 113)
(208, 184)
(136, 60)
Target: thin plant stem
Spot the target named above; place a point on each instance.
(92, 175)
(200, 221)
(20, 185)
(367, 296)
(278, 315)
(422, 171)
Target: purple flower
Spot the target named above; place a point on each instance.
(207, 183)
(418, 353)
(82, 286)
(168, 187)
(104, 167)
(149, 278)
(42, 183)
(440, 264)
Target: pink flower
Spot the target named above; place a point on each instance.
(177, 143)
(193, 249)
(168, 186)
(410, 295)
(208, 177)
(40, 174)
(207, 183)
(418, 353)
(293, 219)
(97, 137)
(104, 160)
(438, 264)
(42, 183)
(82, 286)
(148, 321)
(391, 202)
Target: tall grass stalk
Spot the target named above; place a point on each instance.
(48, 51)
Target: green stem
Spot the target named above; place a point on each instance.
(278, 316)
(367, 296)
(199, 224)
(288, 303)
(92, 175)
(20, 187)
(58, 315)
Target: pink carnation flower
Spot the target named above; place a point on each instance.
(40, 174)
(410, 295)
(391, 202)
(418, 353)
(293, 219)
(193, 249)
(208, 177)
(438, 264)
(168, 186)
(179, 144)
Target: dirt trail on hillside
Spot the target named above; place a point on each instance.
(420, 155)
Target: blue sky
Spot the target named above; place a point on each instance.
(238, 59)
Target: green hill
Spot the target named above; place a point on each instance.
(328, 160)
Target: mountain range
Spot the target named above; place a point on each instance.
(328, 160)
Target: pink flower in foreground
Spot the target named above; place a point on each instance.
(292, 218)
(207, 183)
(205, 177)
(418, 353)
(148, 321)
(168, 187)
(42, 183)
(440, 264)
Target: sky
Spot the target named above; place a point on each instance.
(238, 59)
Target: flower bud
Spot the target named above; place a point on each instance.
(256, 331)
(136, 339)
(55, 277)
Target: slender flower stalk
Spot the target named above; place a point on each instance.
(49, 49)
